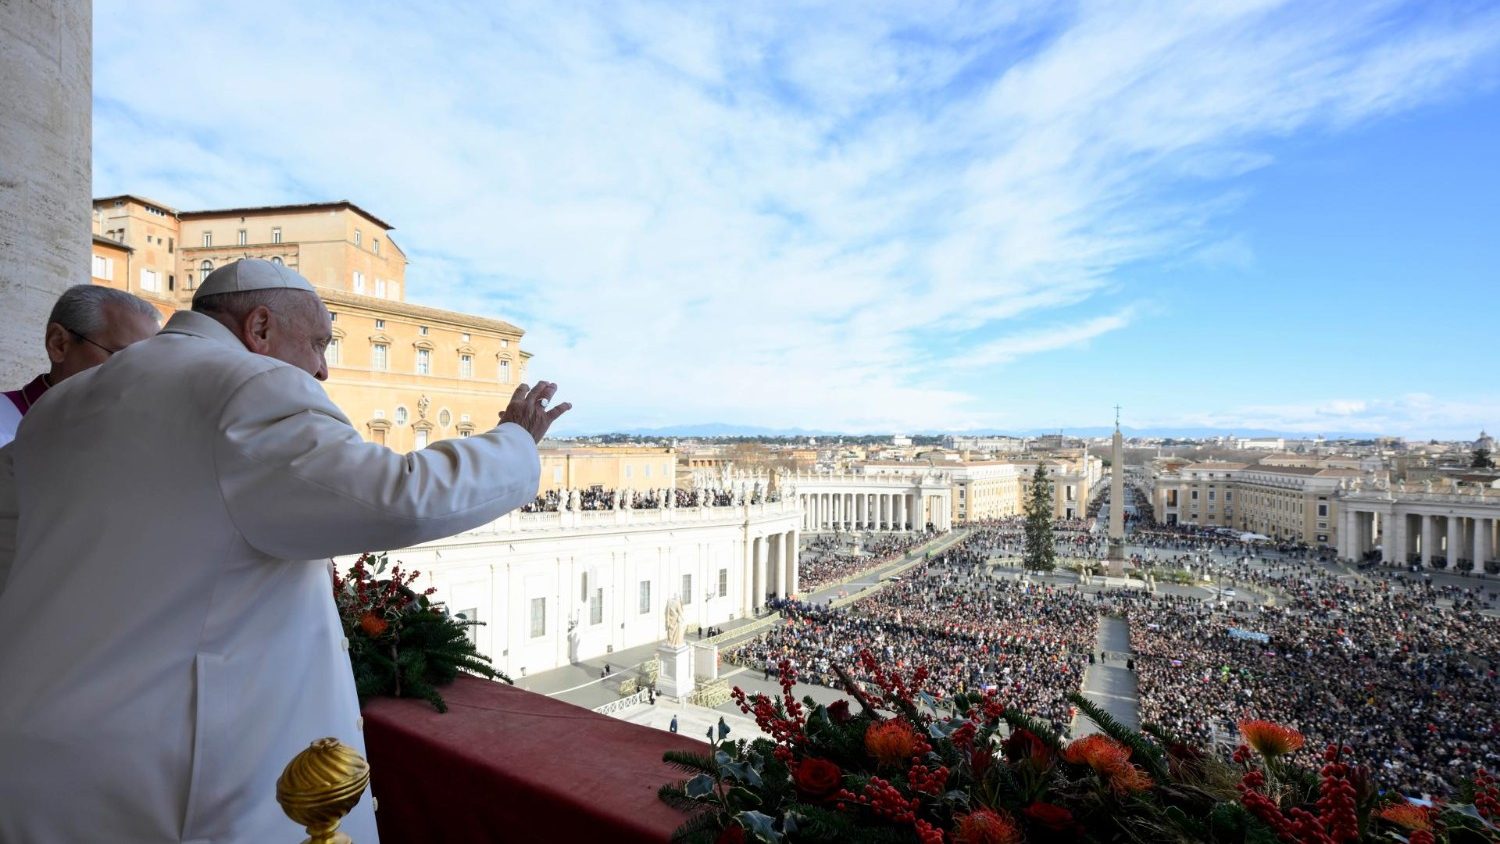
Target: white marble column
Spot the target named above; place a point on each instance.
(1455, 530)
(774, 574)
(1346, 533)
(1483, 528)
(761, 563)
(1427, 533)
(1397, 527)
(747, 580)
(789, 563)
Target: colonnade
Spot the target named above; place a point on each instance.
(1433, 535)
(881, 511)
(771, 564)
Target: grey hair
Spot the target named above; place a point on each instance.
(234, 306)
(80, 308)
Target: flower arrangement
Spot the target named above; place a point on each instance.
(907, 767)
(401, 643)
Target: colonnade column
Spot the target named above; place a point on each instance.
(1427, 533)
(1346, 533)
(1455, 529)
(1483, 529)
(789, 563)
(747, 579)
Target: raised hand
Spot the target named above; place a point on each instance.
(528, 408)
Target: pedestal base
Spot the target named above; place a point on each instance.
(676, 678)
(1116, 561)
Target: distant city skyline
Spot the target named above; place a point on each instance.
(883, 218)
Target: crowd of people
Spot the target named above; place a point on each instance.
(1403, 672)
(598, 498)
(1027, 641)
(829, 559)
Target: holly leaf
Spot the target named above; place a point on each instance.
(700, 786)
(763, 827)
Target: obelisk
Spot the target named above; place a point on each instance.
(1117, 502)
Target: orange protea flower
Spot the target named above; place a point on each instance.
(373, 625)
(1110, 760)
(891, 742)
(984, 826)
(1270, 738)
(1407, 815)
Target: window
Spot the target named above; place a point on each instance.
(645, 602)
(104, 267)
(421, 439)
(723, 582)
(244, 237)
(596, 607)
(1195, 495)
(150, 280)
(357, 237)
(687, 589)
(380, 323)
(331, 354)
(422, 330)
(472, 631)
(359, 283)
(445, 418)
(504, 344)
(276, 260)
(466, 338)
(504, 372)
(424, 362)
(1322, 510)
(333, 316)
(380, 287)
(276, 235)
(466, 366)
(380, 356)
(1210, 495)
(208, 238)
(206, 267)
(401, 416)
(375, 244)
(171, 245)
(538, 617)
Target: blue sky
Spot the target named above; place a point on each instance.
(878, 217)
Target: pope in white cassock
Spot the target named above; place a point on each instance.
(168, 638)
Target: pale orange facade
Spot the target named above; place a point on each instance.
(404, 374)
(639, 468)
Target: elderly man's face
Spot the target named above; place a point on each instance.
(302, 335)
(72, 352)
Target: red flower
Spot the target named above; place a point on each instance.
(1407, 815)
(891, 742)
(1024, 744)
(1110, 760)
(986, 827)
(732, 834)
(817, 777)
(1050, 817)
(1269, 738)
(839, 711)
(373, 625)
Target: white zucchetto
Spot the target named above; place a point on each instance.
(251, 274)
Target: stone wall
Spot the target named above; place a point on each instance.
(45, 123)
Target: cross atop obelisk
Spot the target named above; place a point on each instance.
(1117, 501)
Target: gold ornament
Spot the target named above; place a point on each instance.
(319, 787)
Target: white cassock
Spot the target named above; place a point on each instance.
(168, 639)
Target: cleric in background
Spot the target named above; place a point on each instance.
(87, 325)
(168, 637)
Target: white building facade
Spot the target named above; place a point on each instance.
(558, 587)
(1453, 528)
(878, 498)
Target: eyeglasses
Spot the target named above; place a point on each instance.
(107, 350)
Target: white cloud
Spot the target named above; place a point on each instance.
(730, 213)
(1414, 415)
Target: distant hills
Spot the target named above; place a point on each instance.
(726, 429)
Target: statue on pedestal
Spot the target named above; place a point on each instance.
(675, 629)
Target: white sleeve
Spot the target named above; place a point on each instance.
(10, 512)
(299, 483)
